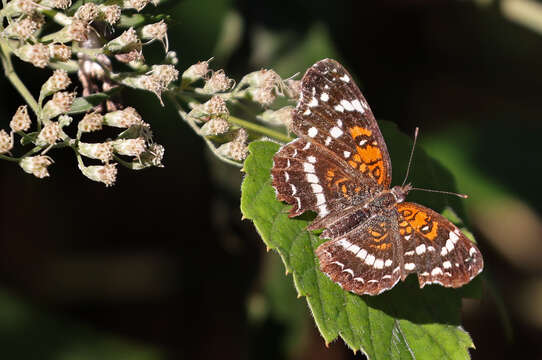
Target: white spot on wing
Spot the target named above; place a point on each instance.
(388, 263)
(312, 178)
(336, 132)
(357, 105)
(294, 189)
(449, 245)
(346, 154)
(453, 237)
(339, 108)
(313, 132)
(323, 210)
(328, 140)
(347, 105)
(307, 112)
(420, 249)
(349, 271)
(307, 146)
(324, 97)
(436, 271)
(362, 254)
(410, 266)
(308, 167)
(354, 249)
(286, 176)
(379, 264)
(345, 78)
(313, 102)
(472, 251)
(443, 251)
(370, 260)
(320, 199)
(339, 123)
(311, 159)
(316, 188)
(447, 264)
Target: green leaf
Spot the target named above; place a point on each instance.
(404, 323)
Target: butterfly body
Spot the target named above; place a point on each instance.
(339, 167)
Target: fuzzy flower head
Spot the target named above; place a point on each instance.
(283, 116)
(164, 74)
(57, 4)
(59, 104)
(106, 174)
(37, 55)
(60, 52)
(135, 4)
(58, 81)
(21, 120)
(50, 134)
(213, 108)
(237, 149)
(78, 30)
(156, 31)
(19, 7)
(215, 126)
(99, 151)
(25, 27)
(110, 13)
(218, 82)
(5, 142)
(87, 12)
(129, 147)
(91, 122)
(123, 118)
(36, 165)
(196, 72)
(293, 88)
(125, 42)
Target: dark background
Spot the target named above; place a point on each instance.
(160, 266)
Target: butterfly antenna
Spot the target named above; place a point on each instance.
(411, 155)
(463, 196)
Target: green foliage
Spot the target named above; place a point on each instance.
(404, 323)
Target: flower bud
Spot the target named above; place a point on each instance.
(5, 142)
(213, 108)
(87, 12)
(156, 31)
(164, 74)
(218, 82)
(216, 126)
(37, 55)
(60, 52)
(237, 149)
(196, 72)
(283, 116)
(19, 7)
(123, 118)
(58, 4)
(77, 30)
(24, 27)
(91, 122)
(135, 4)
(36, 165)
(49, 134)
(127, 41)
(58, 81)
(151, 157)
(106, 174)
(21, 120)
(110, 13)
(99, 151)
(129, 147)
(293, 88)
(59, 104)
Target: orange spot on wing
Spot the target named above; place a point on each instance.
(358, 130)
(381, 246)
(433, 234)
(362, 167)
(353, 164)
(369, 154)
(357, 158)
(343, 189)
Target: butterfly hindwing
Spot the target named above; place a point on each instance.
(366, 259)
(435, 248)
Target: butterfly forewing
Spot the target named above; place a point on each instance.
(333, 113)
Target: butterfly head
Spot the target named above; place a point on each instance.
(400, 192)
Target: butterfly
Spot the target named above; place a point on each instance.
(339, 167)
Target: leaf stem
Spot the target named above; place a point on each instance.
(259, 129)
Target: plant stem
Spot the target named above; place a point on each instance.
(9, 71)
(9, 158)
(259, 129)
